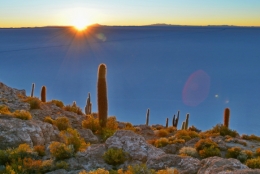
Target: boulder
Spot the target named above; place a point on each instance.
(88, 136)
(184, 164)
(15, 131)
(134, 144)
(214, 165)
(172, 148)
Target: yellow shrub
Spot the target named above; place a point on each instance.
(161, 142)
(99, 171)
(114, 156)
(162, 133)
(62, 123)
(72, 137)
(253, 163)
(57, 103)
(22, 114)
(40, 150)
(111, 123)
(91, 123)
(62, 165)
(61, 150)
(48, 119)
(168, 171)
(4, 110)
(34, 102)
(129, 126)
(31, 166)
(73, 108)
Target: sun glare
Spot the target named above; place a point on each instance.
(80, 24)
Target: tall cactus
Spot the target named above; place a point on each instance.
(183, 126)
(175, 120)
(32, 92)
(43, 93)
(187, 121)
(226, 117)
(88, 107)
(147, 116)
(102, 95)
(167, 121)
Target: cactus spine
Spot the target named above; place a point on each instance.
(175, 120)
(88, 107)
(32, 92)
(43, 93)
(102, 95)
(167, 120)
(147, 117)
(226, 117)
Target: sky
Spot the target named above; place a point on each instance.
(28, 13)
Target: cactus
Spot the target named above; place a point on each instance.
(175, 121)
(167, 120)
(147, 117)
(43, 93)
(74, 104)
(187, 122)
(32, 92)
(226, 117)
(102, 95)
(88, 107)
(183, 126)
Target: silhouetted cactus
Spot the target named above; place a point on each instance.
(226, 117)
(167, 120)
(175, 120)
(88, 107)
(102, 95)
(187, 122)
(183, 126)
(43, 93)
(32, 92)
(147, 117)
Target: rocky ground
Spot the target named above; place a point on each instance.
(15, 131)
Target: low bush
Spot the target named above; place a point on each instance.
(168, 171)
(114, 156)
(111, 123)
(162, 133)
(22, 114)
(186, 135)
(73, 108)
(4, 110)
(129, 126)
(34, 102)
(48, 119)
(57, 103)
(61, 165)
(207, 148)
(72, 137)
(223, 130)
(62, 123)
(91, 123)
(250, 137)
(39, 149)
(137, 169)
(161, 142)
(257, 152)
(61, 151)
(253, 163)
(188, 151)
(245, 155)
(233, 152)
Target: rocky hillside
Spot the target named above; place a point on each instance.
(144, 149)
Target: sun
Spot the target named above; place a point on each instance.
(80, 24)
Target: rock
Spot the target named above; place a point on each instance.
(172, 148)
(184, 164)
(134, 144)
(60, 171)
(214, 165)
(92, 159)
(243, 171)
(88, 135)
(13, 98)
(192, 142)
(15, 131)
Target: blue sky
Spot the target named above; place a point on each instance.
(27, 13)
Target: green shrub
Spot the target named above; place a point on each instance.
(34, 102)
(138, 169)
(48, 119)
(233, 152)
(73, 108)
(62, 123)
(72, 137)
(207, 148)
(114, 156)
(58, 103)
(223, 130)
(188, 151)
(61, 165)
(61, 151)
(253, 163)
(244, 155)
(22, 114)
(106, 133)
